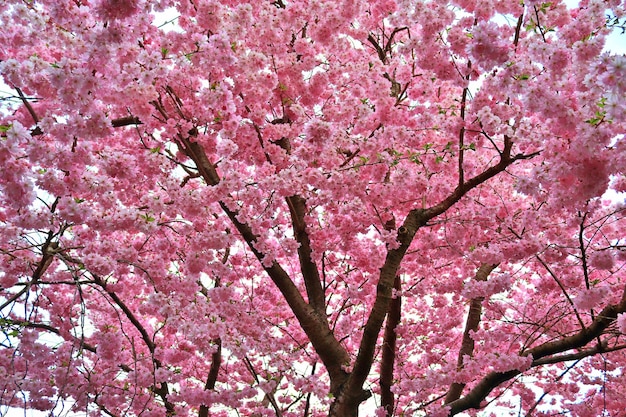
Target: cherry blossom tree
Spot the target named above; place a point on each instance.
(295, 208)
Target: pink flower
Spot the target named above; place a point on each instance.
(588, 299)
(621, 322)
(488, 47)
(601, 260)
(16, 135)
(118, 9)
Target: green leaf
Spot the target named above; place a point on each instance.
(148, 218)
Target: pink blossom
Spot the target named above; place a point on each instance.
(245, 197)
(118, 9)
(601, 259)
(621, 322)
(591, 298)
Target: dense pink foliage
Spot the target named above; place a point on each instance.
(217, 216)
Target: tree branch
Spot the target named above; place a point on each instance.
(47, 327)
(312, 281)
(269, 395)
(505, 161)
(388, 356)
(314, 324)
(607, 316)
(47, 255)
(119, 122)
(162, 389)
(471, 325)
(416, 219)
(563, 290)
(28, 106)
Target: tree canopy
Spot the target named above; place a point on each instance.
(303, 208)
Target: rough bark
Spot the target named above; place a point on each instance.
(388, 356)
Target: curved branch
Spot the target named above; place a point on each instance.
(47, 255)
(505, 161)
(162, 389)
(605, 318)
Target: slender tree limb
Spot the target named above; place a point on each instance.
(48, 328)
(471, 325)
(216, 357)
(518, 29)
(310, 273)
(28, 106)
(269, 395)
(602, 348)
(558, 378)
(47, 255)
(462, 135)
(216, 362)
(162, 390)
(307, 404)
(563, 289)
(119, 122)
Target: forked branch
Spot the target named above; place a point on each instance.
(416, 219)
(310, 273)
